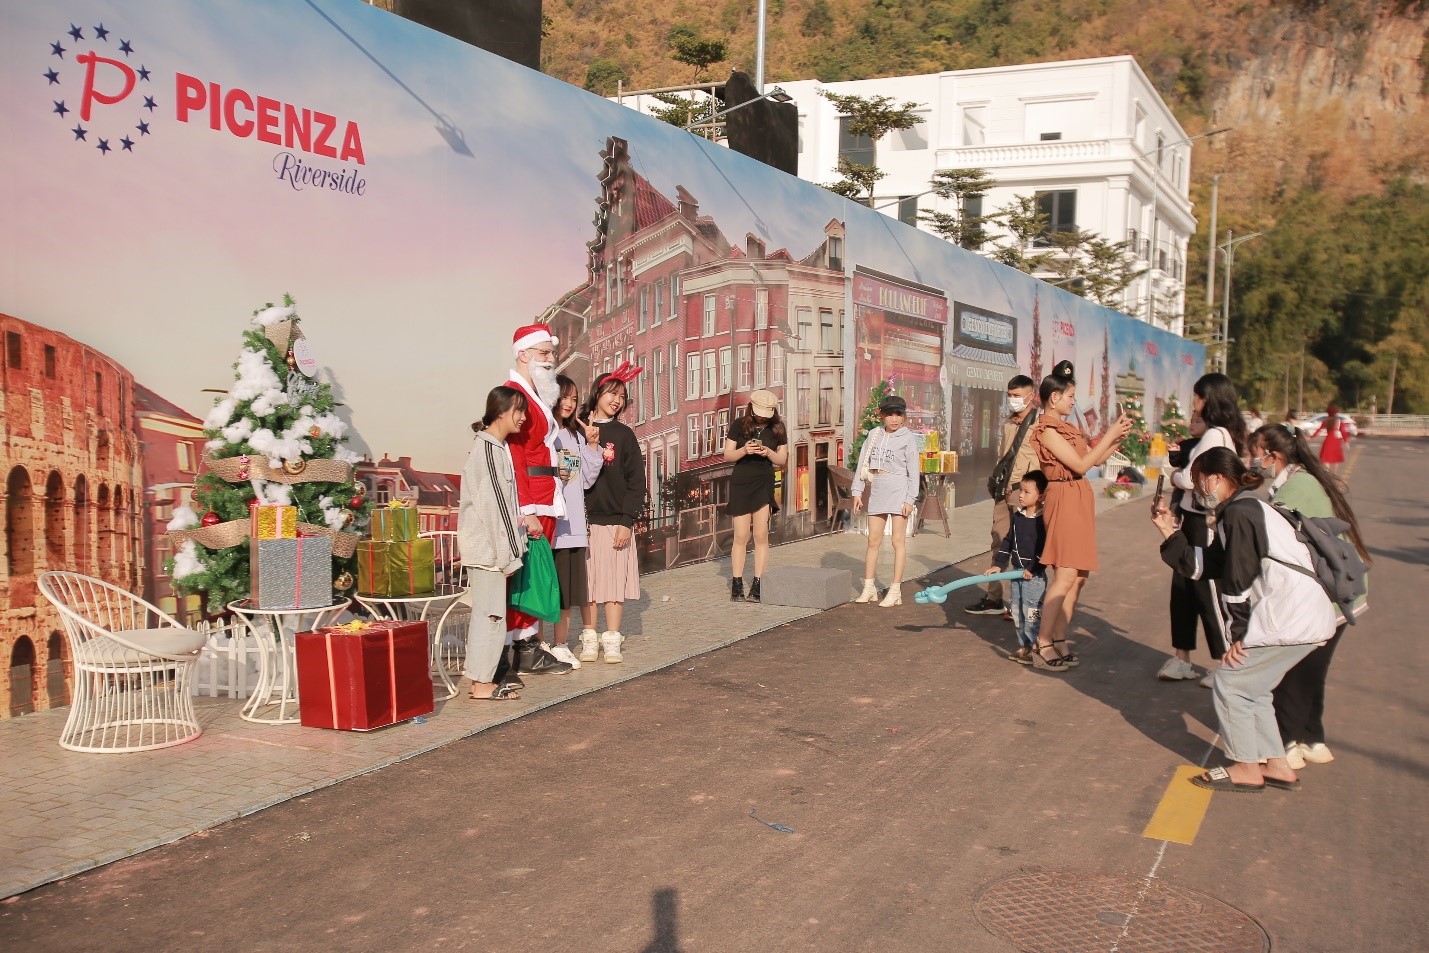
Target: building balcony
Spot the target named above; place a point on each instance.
(1027, 153)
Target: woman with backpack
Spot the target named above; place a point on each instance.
(1276, 609)
(1299, 481)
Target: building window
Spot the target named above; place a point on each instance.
(709, 432)
(609, 287)
(711, 374)
(761, 308)
(854, 148)
(1051, 136)
(726, 358)
(776, 366)
(657, 374)
(1060, 209)
(804, 329)
(761, 360)
(827, 344)
(801, 398)
(641, 408)
(98, 392)
(912, 139)
(692, 378)
(50, 361)
(659, 311)
(13, 349)
(974, 125)
(673, 390)
(643, 313)
(722, 423)
(708, 328)
(674, 296)
(908, 210)
(826, 397)
(972, 230)
(1160, 149)
(185, 457)
(745, 366)
(836, 253)
(692, 435)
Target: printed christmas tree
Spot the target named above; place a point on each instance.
(1137, 443)
(274, 438)
(1174, 426)
(869, 419)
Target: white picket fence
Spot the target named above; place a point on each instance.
(228, 664)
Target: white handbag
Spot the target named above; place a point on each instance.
(865, 474)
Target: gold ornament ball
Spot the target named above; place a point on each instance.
(347, 517)
(343, 582)
(294, 467)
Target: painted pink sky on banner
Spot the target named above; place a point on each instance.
(479, 192)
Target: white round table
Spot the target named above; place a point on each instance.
(274, 631)
(425, 607)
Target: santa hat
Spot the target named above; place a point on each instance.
(531, 335)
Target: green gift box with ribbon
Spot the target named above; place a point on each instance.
(395, 522)
(396, 567)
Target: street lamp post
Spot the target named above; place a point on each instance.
(1155, 196)
(777, 94)
(1228, 248)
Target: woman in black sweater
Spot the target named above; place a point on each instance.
(613, 504)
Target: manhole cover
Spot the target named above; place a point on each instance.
(1072, 912)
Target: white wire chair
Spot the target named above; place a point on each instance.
(449, 636)
(133, 668)
(447, 556)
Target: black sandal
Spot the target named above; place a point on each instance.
(1070, 658)
(1054, 664)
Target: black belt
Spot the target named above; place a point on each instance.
(542, 471)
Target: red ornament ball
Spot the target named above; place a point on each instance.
(252, 504)
(211, 519)
(356, 502)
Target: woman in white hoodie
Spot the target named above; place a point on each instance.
(1275, 614)
(492, 538)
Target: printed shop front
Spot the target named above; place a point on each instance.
(981, 357)
(899, 338)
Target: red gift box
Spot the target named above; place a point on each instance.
(364, 679)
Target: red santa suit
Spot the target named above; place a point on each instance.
(534, 457)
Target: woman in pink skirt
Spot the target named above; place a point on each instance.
(613, 504)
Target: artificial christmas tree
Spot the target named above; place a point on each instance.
(274, 440)
(869, 419)
(1174, 426)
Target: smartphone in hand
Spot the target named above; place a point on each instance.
(1160, 492)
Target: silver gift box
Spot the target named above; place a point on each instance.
(291, 573)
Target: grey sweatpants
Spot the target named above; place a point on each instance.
(1245, 701)
(487, 635)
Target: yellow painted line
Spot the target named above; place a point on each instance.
(1178, 817)
(1354, 458)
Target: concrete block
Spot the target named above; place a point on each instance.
(808, 587)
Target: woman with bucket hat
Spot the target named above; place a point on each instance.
(756, 445)
(888, 464)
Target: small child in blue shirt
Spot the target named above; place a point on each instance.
(1022, 549)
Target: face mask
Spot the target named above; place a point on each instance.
(1018, 404)
(1257, 464)
(1205, 499)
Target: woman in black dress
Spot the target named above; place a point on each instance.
(756, 445)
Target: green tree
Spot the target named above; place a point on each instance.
(688, 47)
(869, 419)
(818, 19)
(961, 187)
(1024, 223)
(684, 111)
(874, 117)
(1088, 265)
(602, 76)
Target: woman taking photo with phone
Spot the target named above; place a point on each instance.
(1069, 512)
(756, 445)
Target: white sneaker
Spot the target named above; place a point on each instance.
(590, 645)
(1294, 755)
(1317, 753)
(610, 644)
(565, 655)
(1176, 670)
(1208, 681)
(870, 591)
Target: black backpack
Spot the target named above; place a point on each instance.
(1338, 567)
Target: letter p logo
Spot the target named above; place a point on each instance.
(91, 95)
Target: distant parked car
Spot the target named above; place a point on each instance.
(1312, 423)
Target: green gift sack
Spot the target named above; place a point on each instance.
(534, 587)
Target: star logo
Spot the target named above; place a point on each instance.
(101, 88)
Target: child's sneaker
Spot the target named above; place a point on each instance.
(1022, 656)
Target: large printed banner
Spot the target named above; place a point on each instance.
(172, 165)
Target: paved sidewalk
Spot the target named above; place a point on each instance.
(66, 812)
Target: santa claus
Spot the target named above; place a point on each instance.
(534, 456)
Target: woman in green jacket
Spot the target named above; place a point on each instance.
(1300, 481)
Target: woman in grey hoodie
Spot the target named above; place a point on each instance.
(888, 463)
(492, 538)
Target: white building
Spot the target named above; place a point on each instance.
(1091, 139)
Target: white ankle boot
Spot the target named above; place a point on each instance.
(894, 596)
(870, 591)
(610, 644)
(590, 645)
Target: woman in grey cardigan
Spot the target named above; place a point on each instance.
(492, 538)
(888, 463)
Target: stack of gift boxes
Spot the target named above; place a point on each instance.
(287, 570)
(395, 561)
(931, 459)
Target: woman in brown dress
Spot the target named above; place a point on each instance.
(1070, 510)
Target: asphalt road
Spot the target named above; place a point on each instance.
(914, 764)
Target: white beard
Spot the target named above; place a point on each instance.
(544, 380)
